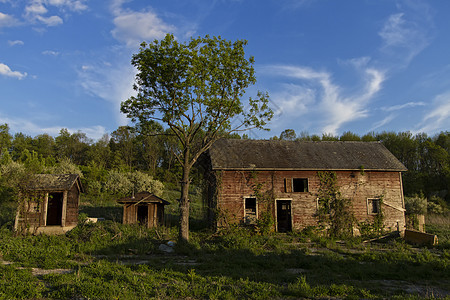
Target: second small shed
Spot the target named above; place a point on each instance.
(143, 208)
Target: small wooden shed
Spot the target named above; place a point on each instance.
(49, 204)
(143, 208)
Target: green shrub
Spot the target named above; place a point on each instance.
(416, 205)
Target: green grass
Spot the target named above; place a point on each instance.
(109, 260)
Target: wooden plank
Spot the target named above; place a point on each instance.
(420, 238)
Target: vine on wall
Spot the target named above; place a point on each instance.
(265, 222)
(334, 211)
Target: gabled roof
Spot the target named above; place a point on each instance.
(143, 197)
(234, 154)
(53, 182)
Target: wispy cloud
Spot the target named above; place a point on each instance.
(293, 99)
(407, 33)
(402, 106)
(33, 129)
(72, 5)
(438, 116)
(324, 97)
(50, 52)
(6, 71)
(110, 83)
(389, 118)
(15, 43)
(8, 20)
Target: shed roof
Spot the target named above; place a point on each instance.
(234, 154)
(53, 182)
(143, 197)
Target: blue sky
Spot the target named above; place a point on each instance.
(329, 66)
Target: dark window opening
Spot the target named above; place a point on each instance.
(373, 205)
(299, 185)
(250, 210)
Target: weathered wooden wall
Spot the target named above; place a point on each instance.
(234, 186)
(155, 214)
(73, 199)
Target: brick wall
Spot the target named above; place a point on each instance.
(234, 186)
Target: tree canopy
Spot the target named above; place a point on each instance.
(196, 89)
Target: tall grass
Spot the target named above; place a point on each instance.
(439, 224)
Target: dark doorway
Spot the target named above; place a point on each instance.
(142, 214)
(54, 208)
(284, 221)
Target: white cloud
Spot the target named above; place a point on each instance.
(33, 129)
(73, 5)
(50, 21)
(403, 106)
(383, 122)
(439, 117)
(134, 27)
(7, 20)
(50, 52)
(405, 34)
(15, 43)
(293, 100)
(6, 71)
(331, 106)
(113, 84)
(36, 10)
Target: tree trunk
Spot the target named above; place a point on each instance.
(184, 201)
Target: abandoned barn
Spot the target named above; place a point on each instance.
(248, 178)
(49, 203)
(143, 208)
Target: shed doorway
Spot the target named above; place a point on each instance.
(284, 221)
(54, 208)
(142, 214)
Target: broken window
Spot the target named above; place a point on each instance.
(250, 210)
(296, 185)
(373, 206)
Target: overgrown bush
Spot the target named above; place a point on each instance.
(416, 205)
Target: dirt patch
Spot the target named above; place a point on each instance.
(38, 271)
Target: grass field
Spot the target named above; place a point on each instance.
(108, 260)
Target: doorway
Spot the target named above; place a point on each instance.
(142, 214)
(284, 220)
(54, 209)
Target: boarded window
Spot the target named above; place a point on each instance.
(250, 210)
(373, 206)
(296, 185)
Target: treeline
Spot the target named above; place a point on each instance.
(426, 158)
(148, 150)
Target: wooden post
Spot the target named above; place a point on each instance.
(45, 209)
(64, 209)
